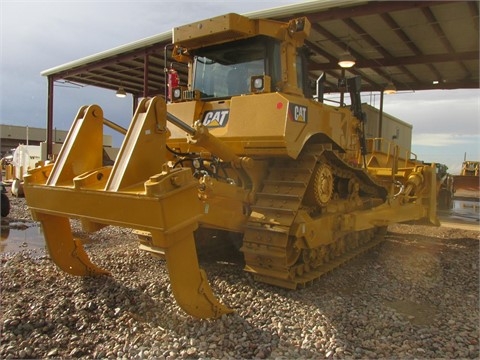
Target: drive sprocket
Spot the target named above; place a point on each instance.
(320, 190)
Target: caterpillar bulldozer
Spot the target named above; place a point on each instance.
(244, 148)
(466, 185)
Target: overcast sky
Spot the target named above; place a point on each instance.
(39, 35)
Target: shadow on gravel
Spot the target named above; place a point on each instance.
(402, 297)
(456, 241)
(150, 307)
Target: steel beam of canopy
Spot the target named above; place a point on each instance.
(50, 117)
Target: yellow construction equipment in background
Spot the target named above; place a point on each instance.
(248, 150)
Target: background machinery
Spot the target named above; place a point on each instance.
(243, 148)
(466, 185)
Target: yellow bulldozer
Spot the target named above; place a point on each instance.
(244, 148)
(466, 185)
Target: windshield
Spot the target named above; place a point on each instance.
(225, 70)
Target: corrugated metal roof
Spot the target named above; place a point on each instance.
(417, 45)
(127, 48)
(165, 37)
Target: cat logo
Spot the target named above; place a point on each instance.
(216, 118)
(297, 113)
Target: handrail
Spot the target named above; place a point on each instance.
(387, 147)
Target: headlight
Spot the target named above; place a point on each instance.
(260, 84)
(177, 94)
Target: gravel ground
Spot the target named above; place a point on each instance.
(414, 296)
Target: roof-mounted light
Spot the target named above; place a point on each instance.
(390, 89)
(121, 92)
(346, 60)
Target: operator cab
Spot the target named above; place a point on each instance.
(225, 70)
(242, 67)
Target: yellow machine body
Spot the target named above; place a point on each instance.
(285, 173)
(78, 186)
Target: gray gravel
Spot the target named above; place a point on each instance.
(414, 296)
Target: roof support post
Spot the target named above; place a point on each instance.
(380, 120)
(342, 93)
(145, 76)
(134, 103)
(50, 117)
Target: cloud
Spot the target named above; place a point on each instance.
(448, 149)
(71, 29)
(442, 139)
(437, 111)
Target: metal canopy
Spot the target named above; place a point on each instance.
(416, 45)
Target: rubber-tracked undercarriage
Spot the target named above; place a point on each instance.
(242, 149)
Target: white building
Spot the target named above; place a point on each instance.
(12, 135)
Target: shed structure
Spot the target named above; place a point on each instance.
(412, 45)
